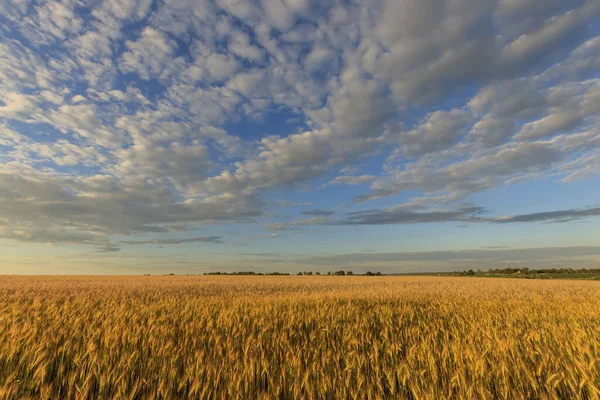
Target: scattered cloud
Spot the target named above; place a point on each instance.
(550, 216)
(318, 213)
(353, 180)
(293, 225)
(149, 54)
(270, 236)
(401, 216)
(202, 239)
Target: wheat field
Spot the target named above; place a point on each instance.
(298, 337)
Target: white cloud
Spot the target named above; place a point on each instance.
(53, 20)
(61, 153)
(14, 10)
(128, 9)
(92, 44)
(131, 95)
(83, 119)
(9, 137)
(531, 44)
(149, 54)
(244, 10)
(19, 106)
(35, 204)
(220, 66)
(20, 68)
(582, 168)
(182, 165)
(278, 13)
(271, 236)
(240, 45)
(317, 57)
(353, 180)
(438, 131)
(549, 125)
(170, 113)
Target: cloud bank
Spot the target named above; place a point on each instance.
(136, 117)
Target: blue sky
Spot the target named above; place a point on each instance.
(283, 135)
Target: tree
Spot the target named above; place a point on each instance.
(349, 273)
(340, 273)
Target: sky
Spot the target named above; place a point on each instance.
(188, 136)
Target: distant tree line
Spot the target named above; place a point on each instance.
(305, 273)
(246, 273)
(505, 271)
(338, 273)
(350, 273)
(528, 271)
(467, 273)
(301, 273)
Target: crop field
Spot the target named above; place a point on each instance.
(236, 337)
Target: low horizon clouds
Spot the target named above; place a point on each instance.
(399, 215)
(551, 257)
(203, 239)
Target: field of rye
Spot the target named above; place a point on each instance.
(236, 337)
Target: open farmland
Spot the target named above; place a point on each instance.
(298, 337)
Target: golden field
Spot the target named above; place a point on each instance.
(236, 337)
